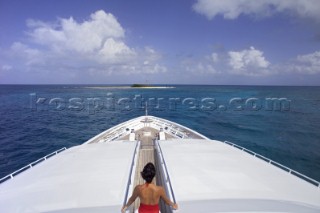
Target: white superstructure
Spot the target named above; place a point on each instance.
(200, 174)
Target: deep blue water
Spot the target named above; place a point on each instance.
(38, 119)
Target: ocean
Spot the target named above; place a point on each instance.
(281, 123)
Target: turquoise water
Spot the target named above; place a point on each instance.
(36, 120)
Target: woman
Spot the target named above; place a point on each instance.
(148, 193)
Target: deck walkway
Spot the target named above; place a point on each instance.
(146, 136)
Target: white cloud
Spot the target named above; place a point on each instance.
(248, 62)
(155, 69)
(114, 51)
(29, 55)
(84, 37)
(6, 67)
(232, 9)
(304, 64)
(205, 66)
(251, 63)
(95, 47)
(215, 57)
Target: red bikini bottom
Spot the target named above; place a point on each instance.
(148, 208)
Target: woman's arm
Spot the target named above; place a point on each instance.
(131, 199)
(166, 199)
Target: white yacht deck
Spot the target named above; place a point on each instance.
(210, 176)
(202, 175)
(86, 178)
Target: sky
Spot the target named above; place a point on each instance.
(212, 42)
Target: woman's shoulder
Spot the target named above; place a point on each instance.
(154, 186)
(138, 187)
(159, 188)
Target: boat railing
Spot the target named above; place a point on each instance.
(165, 174)
(131, 174)
(170, 130)
(279, 165)
(10, 176)
(173, 126)
(104, 136)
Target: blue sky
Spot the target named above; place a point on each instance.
(267, 42)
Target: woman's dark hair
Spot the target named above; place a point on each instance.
(148, 172)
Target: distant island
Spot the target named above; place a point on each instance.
(148, 86)
(141, 85)
(133, 86)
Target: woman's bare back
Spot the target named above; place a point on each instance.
(149, 194)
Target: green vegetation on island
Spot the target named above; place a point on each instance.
(141, 85)
(149, 86)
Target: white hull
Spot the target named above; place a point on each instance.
(200, 174)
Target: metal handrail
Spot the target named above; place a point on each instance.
(173, 124)
(279, 165)
(130, 174)
(177, 132)
(114, 129)
(166, 172)
(10, 176)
